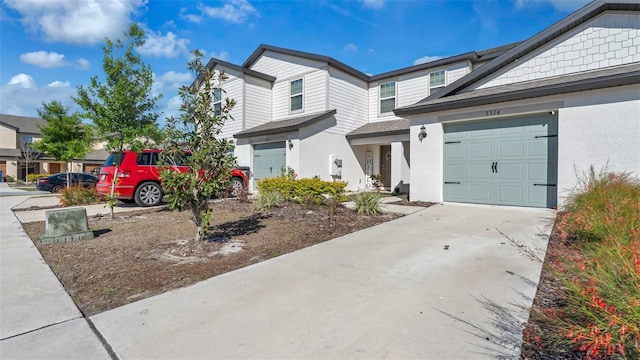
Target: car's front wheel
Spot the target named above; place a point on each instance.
(148, 194)
(237, 186)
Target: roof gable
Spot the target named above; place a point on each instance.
(23, 124)
(506, 60)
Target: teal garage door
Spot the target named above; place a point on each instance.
(268, 159)
(502, 162)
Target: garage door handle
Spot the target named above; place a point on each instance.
(493, 167)
(544, 184)
(496, 167)
(452, 182)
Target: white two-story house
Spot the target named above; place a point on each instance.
(455, 129)
(323, 118)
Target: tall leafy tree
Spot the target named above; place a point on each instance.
(196, 132)
(64, 138)
(122, 108)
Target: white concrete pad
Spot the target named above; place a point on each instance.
(70, 340)
(442, 283)
(31, 295)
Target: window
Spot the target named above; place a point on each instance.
(26, 139)
(217, 102)
(296, 95)
(436, 81)
(387, 97)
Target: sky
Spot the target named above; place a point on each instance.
(50, 47)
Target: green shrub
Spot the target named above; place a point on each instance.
(79, 195)
(367, 203)
(10, 178)
(268, 199)
(304, 190)
(34, 177)
(600, 269)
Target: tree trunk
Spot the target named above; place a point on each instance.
(69, 176)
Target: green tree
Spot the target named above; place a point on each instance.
(122, 107)
(64, 138)
(195, 132)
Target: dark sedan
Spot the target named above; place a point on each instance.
(57, 182)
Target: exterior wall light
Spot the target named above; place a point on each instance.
(423, 133)
(290, 144)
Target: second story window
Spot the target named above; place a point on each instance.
(387, 97)
(296, 94)
(217, 101)
(436, 81)
(26, 139)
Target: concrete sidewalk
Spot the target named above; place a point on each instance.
(442, 283)
(38, 319)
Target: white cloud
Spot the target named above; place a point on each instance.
(82, 64)
(21, 95)
(76, 21)
(350, 47)
(22, 80)
(168, 46)
(189, 17)
(43, 59)
(57, 84)
(373, 4)
(426, 59)
(560, 5)
(222, 55)
(235, 11)
(171, 108)
(174, 79)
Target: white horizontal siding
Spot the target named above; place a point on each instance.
(233, 89)
(315, 92)
(412, 87)
(257, 102)
(284, 66)
(610, 39)
(348, 96)
(314, 95)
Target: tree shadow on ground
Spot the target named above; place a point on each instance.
(247, 225)
(502, 338)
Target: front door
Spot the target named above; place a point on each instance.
(385, 165)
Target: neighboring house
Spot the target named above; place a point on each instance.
(16, 156)
(509, 125)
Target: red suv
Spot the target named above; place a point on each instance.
(139, 177)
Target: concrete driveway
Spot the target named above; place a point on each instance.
(442, 283)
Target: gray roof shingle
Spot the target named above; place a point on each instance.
(380, 128)
(23, 124)
(280, 126)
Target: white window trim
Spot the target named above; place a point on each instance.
(436, 88)
(217, 102)
(291, 96)
(395, 98)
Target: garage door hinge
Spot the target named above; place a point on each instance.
(452, 142)
(544, 184)
(452, 182)
(544, 136)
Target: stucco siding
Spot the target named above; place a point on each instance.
(610, 39)
(349, 96)
(284, 66)
(599, 130)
